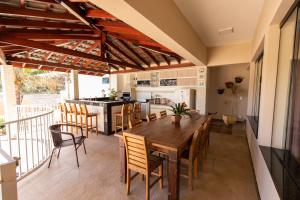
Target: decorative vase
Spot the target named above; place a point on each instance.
(221, 91)
(238, 79)
(229, 120)
(176, 119)
(229, 84)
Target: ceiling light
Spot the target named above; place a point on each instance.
(226, 31)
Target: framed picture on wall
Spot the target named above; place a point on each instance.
(202, 83)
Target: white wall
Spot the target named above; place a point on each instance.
(91, 86)
(226, 103)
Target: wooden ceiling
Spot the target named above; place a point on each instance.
(61, 35)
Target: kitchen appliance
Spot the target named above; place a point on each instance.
(126, 96)
(145, 110)
(186, 95)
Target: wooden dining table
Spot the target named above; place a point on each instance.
(168, 138)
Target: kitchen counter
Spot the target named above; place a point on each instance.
(106, 110)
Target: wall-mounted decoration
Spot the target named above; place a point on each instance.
(154, 79)
(105, 80)
(143, 83)
(202, 83)
(202, 70)
(168, 82)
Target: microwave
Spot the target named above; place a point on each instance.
(126, 96)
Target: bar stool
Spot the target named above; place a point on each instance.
(123, 116)
(137, 111)
(86, 119)
(74, 112)
(63, 113)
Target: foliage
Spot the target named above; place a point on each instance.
(31, 81)
(2, 126)
(112, 94)
(180, 109)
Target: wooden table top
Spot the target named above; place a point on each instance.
(165, 134)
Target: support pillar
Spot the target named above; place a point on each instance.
(9, 92)
(74, 85)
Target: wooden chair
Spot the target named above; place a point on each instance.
(86, 119)
(74, 114)
(151, 117)
(140, 161)
(63, 113)
(163, 113)
(137, 110)
(133, 122)
(56, 131)
(203, 145)
(123, 117)
(190, 158)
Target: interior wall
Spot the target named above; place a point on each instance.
(226, 103)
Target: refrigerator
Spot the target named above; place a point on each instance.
(186, 95)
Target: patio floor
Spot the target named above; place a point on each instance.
(228, 174)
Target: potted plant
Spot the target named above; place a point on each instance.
(178, 110)
(2, 127)
(112, 94)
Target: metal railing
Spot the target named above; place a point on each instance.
(28, 138)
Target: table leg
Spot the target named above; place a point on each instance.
(174, 176)
(123, 163)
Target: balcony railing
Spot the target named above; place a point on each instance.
(28, 138)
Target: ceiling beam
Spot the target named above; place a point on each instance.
(40, 24)
(61, 50)
(165, 58)
(97, 13)
(112, 45)
(151, 56)
(129, 48)
(78, 13)
(50, 64)
(50, 32)
(160, 51)
(123, 30)
(117, 56)
(174, 66)
(45, 37)
(23, 12)
(106, 23)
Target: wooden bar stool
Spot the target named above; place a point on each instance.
(75, 113)
(63, 113)
(121, 118)
(86, 119)
(137, 111)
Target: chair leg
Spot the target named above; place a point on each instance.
(147, 186)
(87, 126)
(97, 125)
(84, 147)
(76, 157)
(196, 167)
(190, 176)
(58, 153)
(50, 158)
(91, 124)
(160, 173)
(128, 182)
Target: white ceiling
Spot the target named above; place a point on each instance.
(207, 17)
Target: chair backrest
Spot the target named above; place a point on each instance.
(151, 117)
(137, 107)
(136, 152)
(126, 109)
(62, 107)
(68, 107)
(55, 131)
(195, 146)
(163, 113)
(83, 109)
(73, 108)
(133, 122)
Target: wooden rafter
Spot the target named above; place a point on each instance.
(50, 64)
(112, 45)
(134, 53)
(40, 24)
(97, 13)
(50, 32)
(117, 56)
(157, 68)
(165, 58)
(151, 56)
(78, 13)
(61, 50)
(45, 37)
(160, 51)
(64, 57)
(23, 12)
(89, 50)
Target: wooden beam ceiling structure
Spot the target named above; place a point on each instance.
(62, 35)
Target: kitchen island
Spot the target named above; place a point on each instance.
(106, 110)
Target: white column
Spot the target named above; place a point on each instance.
(74, 87)
(251, 88)
(268, 85)
(9, 92)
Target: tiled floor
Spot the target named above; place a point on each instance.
(227, 174)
